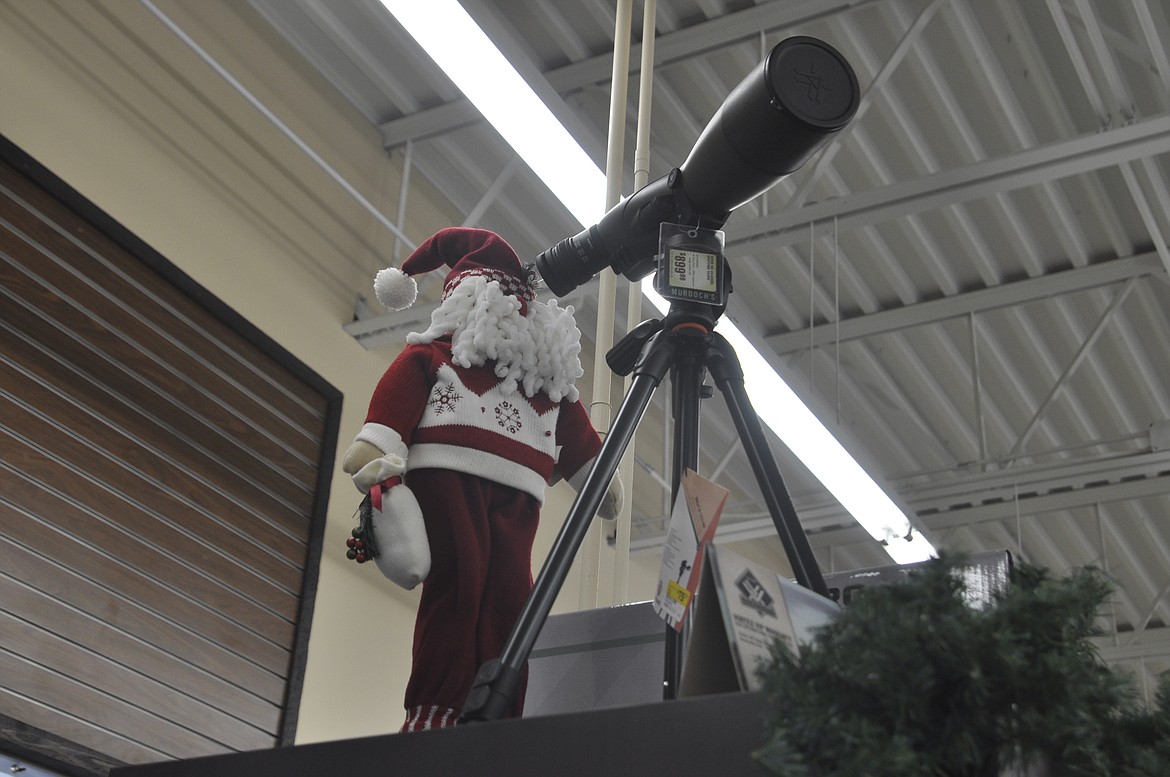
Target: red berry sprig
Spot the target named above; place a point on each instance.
(356, 547)
(360, 545)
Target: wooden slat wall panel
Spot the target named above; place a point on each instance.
(32, 606)
(121, 612)
(155, 540)
(107, 748)
(73, 697)
(160, 397)
(66, 533)
(161, 467)
(165, 381)
(197, 720)
(85, 441)
(256, 373)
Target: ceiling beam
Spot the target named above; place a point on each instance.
(428, 123)
(668, 48)
(1155, 644)
(979, 497)
(1063, 497)
(389, 328)
(1028, 507)
(934, 311)
(704, 37)
(1030, 167)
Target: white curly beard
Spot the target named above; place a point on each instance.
(540, 352)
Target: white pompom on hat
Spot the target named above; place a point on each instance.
(395, 289)
(469, 253)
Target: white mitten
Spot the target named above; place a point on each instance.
(611, 502)
(401, 550)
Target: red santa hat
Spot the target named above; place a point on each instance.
(469, 253)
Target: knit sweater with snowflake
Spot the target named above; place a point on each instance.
(442, 415)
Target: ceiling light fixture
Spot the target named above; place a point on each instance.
(473, 63)
(461, 49)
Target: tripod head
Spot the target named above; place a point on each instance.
(623, 356)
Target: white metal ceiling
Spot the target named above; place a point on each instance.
(968, 285)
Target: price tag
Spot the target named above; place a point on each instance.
(692, 525)
(678, 593)
(690, 265)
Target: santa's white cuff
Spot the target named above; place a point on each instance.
(383, 438)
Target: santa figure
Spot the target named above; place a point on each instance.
(476, 416)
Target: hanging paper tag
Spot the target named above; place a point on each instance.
(692, 524)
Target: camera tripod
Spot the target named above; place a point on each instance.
(684, 344)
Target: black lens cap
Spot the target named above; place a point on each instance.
(810, 79)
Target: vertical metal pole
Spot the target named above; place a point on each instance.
(599, 408)
(621, 562)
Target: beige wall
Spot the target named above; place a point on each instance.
(114, 103)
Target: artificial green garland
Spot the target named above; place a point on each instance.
(909, 681)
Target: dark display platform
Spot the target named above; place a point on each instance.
(710, 735)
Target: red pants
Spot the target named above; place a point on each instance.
(481, 535)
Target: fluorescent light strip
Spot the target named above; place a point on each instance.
(476, 66)
(469, 58)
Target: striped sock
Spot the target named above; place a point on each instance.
(427, 716)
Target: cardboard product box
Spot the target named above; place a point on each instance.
(985, 574)
(741, 609)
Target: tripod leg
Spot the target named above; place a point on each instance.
(495, 685)
(728, 375)
(686, 384)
